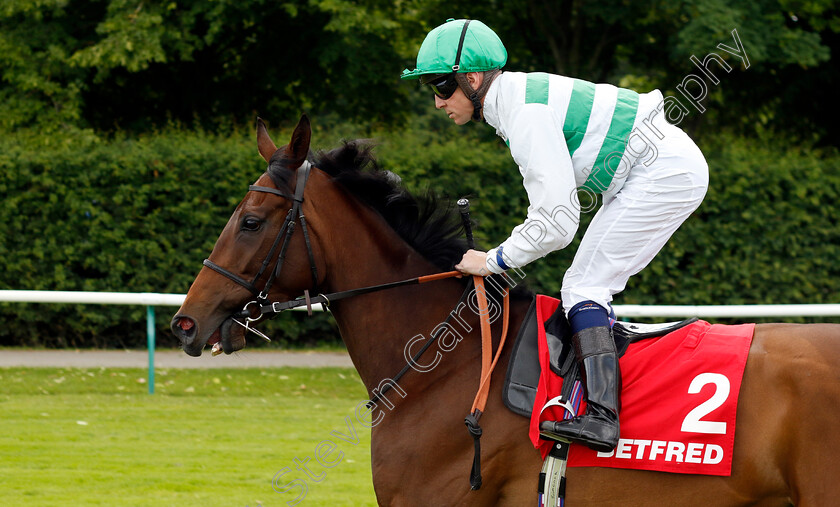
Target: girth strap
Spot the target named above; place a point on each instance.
(551, 488)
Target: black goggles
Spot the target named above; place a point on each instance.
(444, 85)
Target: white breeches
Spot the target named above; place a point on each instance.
(633, 226)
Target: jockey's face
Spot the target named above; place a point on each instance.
(458, 107)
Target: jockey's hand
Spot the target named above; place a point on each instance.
(473, 263)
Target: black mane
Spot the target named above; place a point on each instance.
(431, 225)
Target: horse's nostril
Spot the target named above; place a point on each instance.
(183, 327)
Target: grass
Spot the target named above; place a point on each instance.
(206, 437)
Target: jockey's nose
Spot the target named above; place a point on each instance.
(439, 102)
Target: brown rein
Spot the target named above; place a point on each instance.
(487, 367)
(487, 344)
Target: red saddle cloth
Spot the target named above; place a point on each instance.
(678, 400)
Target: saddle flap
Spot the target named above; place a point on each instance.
(557, 333)
(523, 372)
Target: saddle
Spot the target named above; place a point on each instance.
(660, 401)
(523, 373)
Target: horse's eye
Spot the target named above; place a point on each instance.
(251, 224)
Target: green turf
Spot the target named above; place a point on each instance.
(206, 437)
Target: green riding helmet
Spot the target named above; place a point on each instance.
(459, 46)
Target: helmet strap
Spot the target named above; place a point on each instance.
(460, 47)
(476, 96)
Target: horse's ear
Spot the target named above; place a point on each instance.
(298, 148)
(264, 142)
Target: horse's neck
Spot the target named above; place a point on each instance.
(378, 327)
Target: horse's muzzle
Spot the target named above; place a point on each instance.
(229, 336)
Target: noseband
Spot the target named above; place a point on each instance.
(286, 232)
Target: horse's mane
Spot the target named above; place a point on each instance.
(430, 224)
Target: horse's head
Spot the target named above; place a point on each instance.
(244, 262)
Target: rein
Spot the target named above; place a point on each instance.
(264, 306)
(487, 368)
(326, 299)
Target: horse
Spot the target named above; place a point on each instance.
(361, 228)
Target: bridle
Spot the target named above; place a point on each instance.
(285, 233)
(264, 306)
(261, 304)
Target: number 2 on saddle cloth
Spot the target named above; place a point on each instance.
(679, 398)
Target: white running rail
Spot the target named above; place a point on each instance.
(152, 299)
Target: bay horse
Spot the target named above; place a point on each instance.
(362, 228)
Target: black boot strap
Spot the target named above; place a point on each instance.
(593, 341)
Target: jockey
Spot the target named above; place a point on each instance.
(571, 138)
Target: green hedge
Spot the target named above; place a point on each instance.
(139, 214)
(126, 215)
(767, 232)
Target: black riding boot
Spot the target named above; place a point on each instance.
(598, 362)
